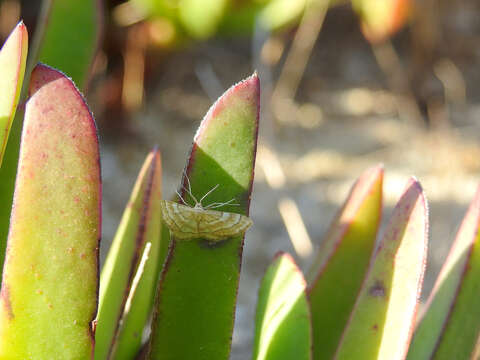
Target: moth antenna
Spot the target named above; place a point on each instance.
(204, 196)
(189, 190)
(181, 198)
(218, 204)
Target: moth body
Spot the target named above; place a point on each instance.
(187, 223)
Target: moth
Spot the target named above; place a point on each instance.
(187, 223)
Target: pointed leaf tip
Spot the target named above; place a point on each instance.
(227, 140)
(123, 274)
(452, 308)
(223, 154)
(343, 258)
(387, 304)
(13, 57)
(244, 93)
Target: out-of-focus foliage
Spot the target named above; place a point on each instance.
(200, 19)
(380, 19)
(203, 18)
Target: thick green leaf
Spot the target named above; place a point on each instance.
(13, 57)
(342, 262)
(282, 324)
(71, 37)
(381, 324)
(50, 280)
(128, 342)
(195, 306)
(450, 326)
(138, 230)
(66, 36)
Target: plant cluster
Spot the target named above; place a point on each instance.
(165, 295)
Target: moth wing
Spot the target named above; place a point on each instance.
(218, 225)
(187, 223)
(180, 219)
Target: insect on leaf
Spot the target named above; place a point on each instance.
(188, 223)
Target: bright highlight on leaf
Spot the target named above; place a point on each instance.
(282, 323)
(342, 262)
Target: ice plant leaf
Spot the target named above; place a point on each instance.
(342, 262)
(71, 37)
(282, 324)
(12, 69)
(13, 56)
(50, 281)
(138, 231)
(66, 37)
(140, 300)
(450, 325)
(381, 324)
(195, 306)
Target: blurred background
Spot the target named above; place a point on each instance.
(345, 85)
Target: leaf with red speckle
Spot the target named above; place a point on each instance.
(50, 281)
(450, 325)
(382, 320)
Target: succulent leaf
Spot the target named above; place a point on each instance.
(384, 313)
(139, 231)
(13, 57)
(338, 272)
(195, 306)
(282, 323)
(71, 37)
(450, 326)
(49, 291)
